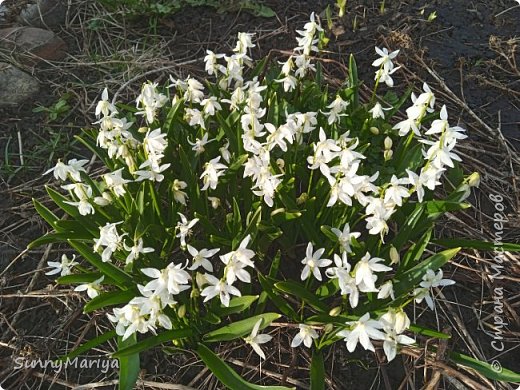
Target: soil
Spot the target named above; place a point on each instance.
(469, 45)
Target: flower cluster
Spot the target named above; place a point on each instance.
(206, 181)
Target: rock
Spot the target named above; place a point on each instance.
(29, 44)
(15, 86)
(45, 14)
(3, 12)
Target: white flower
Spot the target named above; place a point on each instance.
(337, 107)
(224, 152)
(73, 168)
(155, 142)
(378, 111)
(195, 117)
(170, 280)
(430, 280)
(184, 226)
(212, 171)
(220, 288)
(289, 82)
(392, 339)
(201, 258)
(395, 320)
(92, 288)
(198, 145)
(154, 173)
(116, 182)
(405, 126)
(64, 267)
(306, 335)
(364, 269)
(244, 42)
(346, 282)
(440, 154)
(313, 262)
(179, 195)
(212, 66)
(194, 90)
(149, 101)
(395, 192)
(104, 106)
(129, 320)
(110, 239)
(385, 77)
(135, 250)
(255, 339)
(345, 237)
(386, 290)
(241, 254)
(151, 304)
(279, 136)
(385, 59)
(361, 332)
(211, 105)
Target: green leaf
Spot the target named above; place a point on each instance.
(236, 305)
(434, 207)
(327, 230)
(129, 366)
(486, 369)
(474, 244)
(251, 229)
(408, 228)
(353, 80)
(151, 342)
(400, 103)
(317, 371)
(51, 238)
(83, 278)
(298, 290)
(109, 299)
(416, 250)
(89, 345)
(240, 328)
(280, 302)
(226, 374)
(45, 213)
(328, 289)
(121, 278)
(60, 200)
(417, 329)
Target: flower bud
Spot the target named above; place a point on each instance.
(474, 179)
(388, 143)
(281, 163)
(143, 129)
(182, 311)
(215, 202)
(374, 130)
(388, 154)
(394, 255)
(335, 311)
(328, 328)
(302, 199)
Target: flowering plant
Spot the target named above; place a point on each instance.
(260, 188)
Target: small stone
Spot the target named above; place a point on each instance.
(29, 44)
(15, 86)
(44, 14)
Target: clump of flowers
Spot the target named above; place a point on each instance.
(254, 185)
